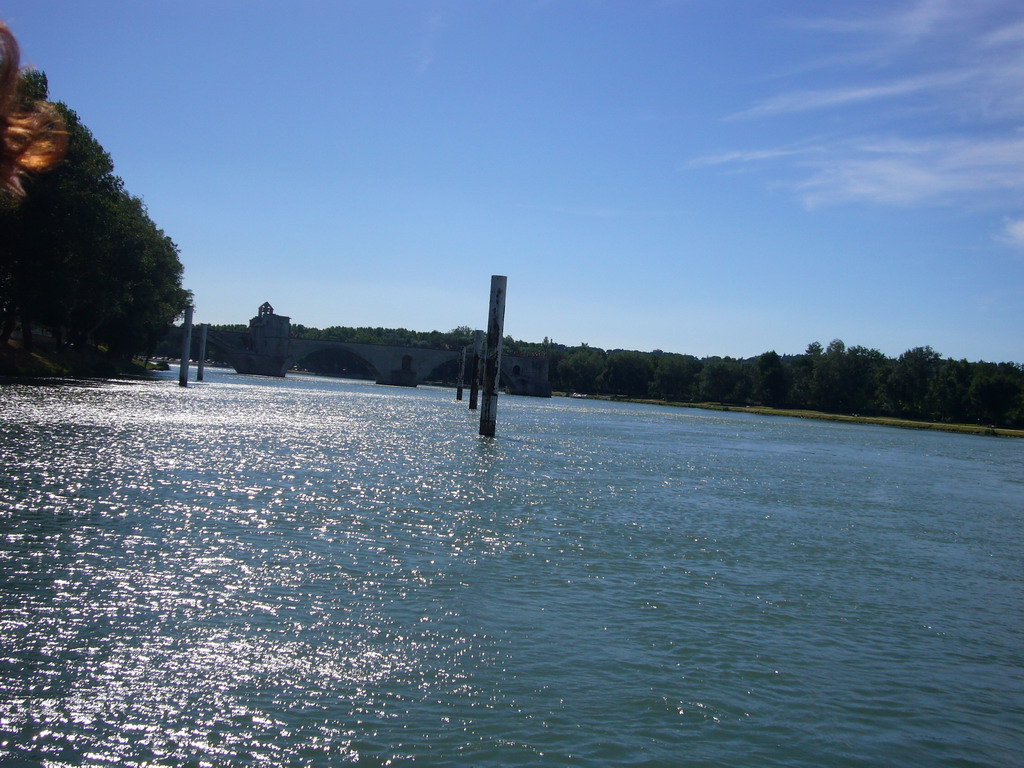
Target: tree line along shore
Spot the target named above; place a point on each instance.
(919, 387)
(88, 282)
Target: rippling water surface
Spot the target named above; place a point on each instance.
(313, 572)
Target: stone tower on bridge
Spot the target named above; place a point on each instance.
(266, 350)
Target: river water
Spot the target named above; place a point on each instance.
(314, 572)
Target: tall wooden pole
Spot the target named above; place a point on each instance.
(201, 358)
(462, 374)
(474, 368)
(492, 358)
(186, 347)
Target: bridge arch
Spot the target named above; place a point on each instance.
(268, 349)
(337, 361)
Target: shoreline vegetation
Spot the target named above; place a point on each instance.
(46, 362)
(50, 363)
(920, 386)
(885, 421)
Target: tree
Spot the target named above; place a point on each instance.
(863, 371)
(827, 380)
(82, 256)
(724, 380)
(676, 377)
(949, 392)
(802, 375)
(846, 380)
(626, 373)
(578, 371)
(150, 274)
(906, 387)
(996, 390)
(54, 236)
(771, 384)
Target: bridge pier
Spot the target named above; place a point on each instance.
(404, 376)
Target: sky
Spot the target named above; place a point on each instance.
(709, 178)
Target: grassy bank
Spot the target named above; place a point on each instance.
(47, 362)
(967, 429)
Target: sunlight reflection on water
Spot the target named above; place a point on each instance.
(312, 572)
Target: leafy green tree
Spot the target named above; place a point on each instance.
(802, 376)
(82, 257)
(771, 384)
(724, 380)
(847, 380)
(949, 392)
(555, 355)
(828, 373)
(150, 274)
(578, 371)
(626, 373)
(864, 371)
(906, 387)
(459, 337)
(676, 377)
(55, 236)
(996, 391)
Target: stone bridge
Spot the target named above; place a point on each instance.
(267, 349)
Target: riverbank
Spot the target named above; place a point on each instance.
(886, 421)
(46, 362)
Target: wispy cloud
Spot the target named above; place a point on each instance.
(805, 101)
(898, 171)
(935, 120)
(748, 156)
(907, 20)
(1013, 233)
(1012, 34)
(954, 172)
(870, 36)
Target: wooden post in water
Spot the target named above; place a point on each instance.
(186, 347)
(201, 360)
(474, 368)
(462, 374)
(492, 359)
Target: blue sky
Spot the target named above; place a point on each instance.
(700, 177)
